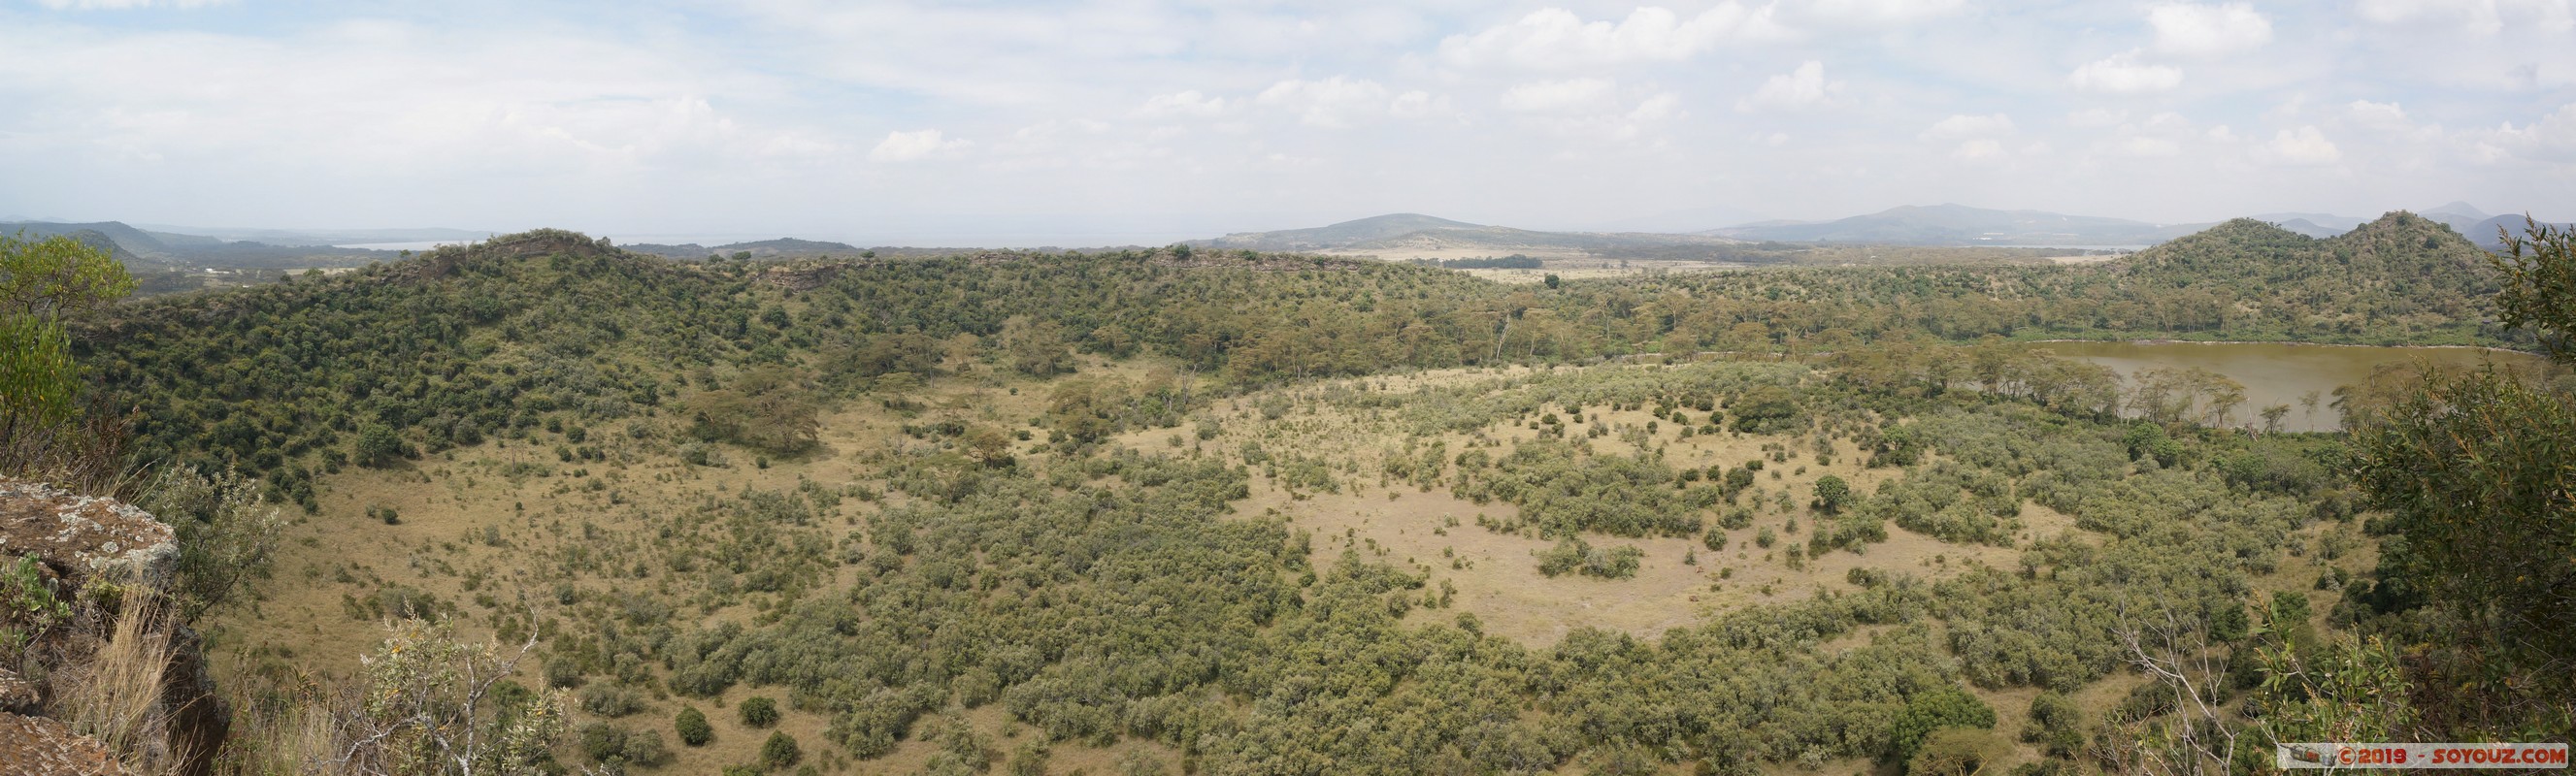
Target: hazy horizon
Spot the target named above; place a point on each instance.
(1115, 123)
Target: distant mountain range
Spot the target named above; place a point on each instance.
(321, 237)
(147, 250)
(1421, 233)
(166, 248)
(784, 246)
(1914, 225)
(1680, 221)
(1963, 225)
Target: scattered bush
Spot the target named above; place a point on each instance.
(759, 711)
(780, 751)
(692, 726)
(1576, 555)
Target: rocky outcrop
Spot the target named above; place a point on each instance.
(80, 538)
(76, 540)
(35, 746)
(17, 695)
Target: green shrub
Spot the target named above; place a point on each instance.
(2056, 725)
(1576, 555)
(600, 741)
(562, 672)
(644, 748)
(1946, 706)
(1030, 759)
(692, 726)
(780, 751)
(759, 711)
(610, 701)
(379, 445)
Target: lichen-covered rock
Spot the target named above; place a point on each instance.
(76, 539)
(17, 695)
(35, 746)
(84, 537)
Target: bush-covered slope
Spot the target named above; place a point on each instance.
(2401, 267)
(535, 329)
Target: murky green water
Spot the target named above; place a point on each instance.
(2275, 373)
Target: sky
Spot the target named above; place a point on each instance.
(1139, 121)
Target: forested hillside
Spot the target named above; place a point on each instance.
(1256, 513)
(2402, 270)
(464, 342)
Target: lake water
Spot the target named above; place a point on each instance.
(2278, 373)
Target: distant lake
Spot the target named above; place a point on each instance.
(2066, 246)
(2278, 373)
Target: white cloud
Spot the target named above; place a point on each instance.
(1418, 104)
(1981, 149)
(1572, 95)
(770, 115)
(1592, 110)
(2477, 17)
(2169, 122)
(1877, 12)
(2551, 139)
(2302, 146)
(1332, 103)
(2096, 117)
(1966, 126)
(1188, 103)
(2123, 74)
(1054, 136)
(2205, 30)
(2146, 147)
(1804, 87)
(914, 146)
(373, 99)
(1657, 108)
(1556, 39)
(2377, 115)
(120, 5)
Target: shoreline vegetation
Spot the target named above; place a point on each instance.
(2295, 343)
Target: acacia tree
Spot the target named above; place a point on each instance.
(42, 431)
(57, 277)
(1832, 494)
(438, 704)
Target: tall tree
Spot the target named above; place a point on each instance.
(42, 431)
(2479, 471)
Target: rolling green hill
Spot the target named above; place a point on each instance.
(460, 343)
(2400, 265)
(464, 342)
